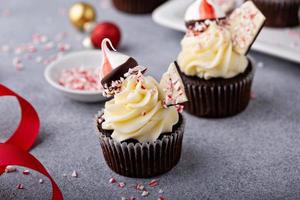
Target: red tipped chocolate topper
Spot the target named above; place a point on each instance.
(106, 67)
(206, 10)
(114, 65)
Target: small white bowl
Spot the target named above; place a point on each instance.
(87, 59)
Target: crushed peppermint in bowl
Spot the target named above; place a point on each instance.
(75, 75)
(80, 78)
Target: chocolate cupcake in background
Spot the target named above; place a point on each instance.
(213, 63)
(137, 6)
(280, 13)
(141, 128)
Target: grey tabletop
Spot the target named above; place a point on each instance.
(254, 155)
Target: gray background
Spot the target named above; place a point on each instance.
(255, 155)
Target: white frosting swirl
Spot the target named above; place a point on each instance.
(210, 54)
(193, 12)
(137, 111)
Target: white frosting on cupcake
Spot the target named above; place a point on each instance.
(194, 11)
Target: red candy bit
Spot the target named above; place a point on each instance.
(63, 47)
(121, 184)
(206, 10)
(161, 198)
(26, 172)
(179, 108)
(140, 187)
(145, 193)
(153, 183)
(112, 180)
(20, 186)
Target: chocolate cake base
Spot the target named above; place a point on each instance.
(218, 97)
(279, 13)
(137, 6)
(141, 160)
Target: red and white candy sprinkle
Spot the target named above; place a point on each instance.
(63, 47)
(20, 186)
(79, 79)
(112, 180)
(153, 183)
(140, 187)
(145, 193)
(10, 169)
(161, 198)
(26, 172)
(74, 174)
(121, 184)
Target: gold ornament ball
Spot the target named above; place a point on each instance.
(81, 13)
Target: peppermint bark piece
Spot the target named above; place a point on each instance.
(245, 23)
(173, 87)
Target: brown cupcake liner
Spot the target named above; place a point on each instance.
(137, 6)
(142, 160)
(217, 97)
(281, 13)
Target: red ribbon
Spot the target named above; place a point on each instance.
(15, 150)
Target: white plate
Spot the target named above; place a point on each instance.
(88, 59)
(283, 42)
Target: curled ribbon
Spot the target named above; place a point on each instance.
(15, 150)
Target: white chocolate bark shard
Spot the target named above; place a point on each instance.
(245, 24)
(173, 88)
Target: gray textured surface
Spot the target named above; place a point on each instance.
(255, 155)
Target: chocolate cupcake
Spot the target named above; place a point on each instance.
(213, 63)
(141, 128)
(137, 6)
(280, 13)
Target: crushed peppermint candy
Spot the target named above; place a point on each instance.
(112, 180)
(26, 172)
(179, 108)
(41, 181)
(20, 186)
(160, 191)
(145, 193)
(74, 174)
(80, 79)
(161, 198)
(140, 187)
(63, 47)
(153, 183)
(10, 169)
(121, 184)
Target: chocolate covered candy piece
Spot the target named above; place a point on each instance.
(245, 23)
(173, 88)
(119, 71)
(114, 64)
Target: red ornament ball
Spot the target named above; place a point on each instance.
(106, 30)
